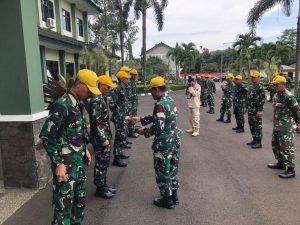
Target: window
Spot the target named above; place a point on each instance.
(70, 69)
(47, 10)
(52, 66)
(79, 27)
(66, 20)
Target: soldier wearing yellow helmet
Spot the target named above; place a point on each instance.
(289, 80)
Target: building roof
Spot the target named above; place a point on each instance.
(86, 6)
(285, 68)
(158, 45)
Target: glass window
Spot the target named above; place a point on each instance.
(79, 27)
(47, 9)
(70, 69)
(66, 20)
(52, 69)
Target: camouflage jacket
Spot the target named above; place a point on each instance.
(134, 96)
(227, 90)
(203, 84)
(164, 125)
(256, 98)
(119, 104)
(64, 134)
(211, 87)
(289, 83)
(240, 96)
(99, 120)
(286, 111)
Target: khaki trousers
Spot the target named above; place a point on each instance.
(195, 119)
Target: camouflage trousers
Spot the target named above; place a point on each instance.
(121, 134)
(102, 160)
(131, 127)
(255, 125)
(203, 97)
(272, 93)
(166, 170)
(226, 107)
(283, 146)
(239, 116)
(69, 199)
(211, 101)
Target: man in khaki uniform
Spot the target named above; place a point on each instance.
(193, 93)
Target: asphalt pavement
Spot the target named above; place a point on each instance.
(223, 181)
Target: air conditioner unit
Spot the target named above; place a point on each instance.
(50, 23)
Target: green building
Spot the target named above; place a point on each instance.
(38, 38)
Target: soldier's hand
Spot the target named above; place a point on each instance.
(259, 114)
(60, 173)
(135, 119)
(88, 157)
(141, 130)
(105, 143)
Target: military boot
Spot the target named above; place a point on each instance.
(235, 128)
(228, 119)
(221, 119)
(118, 161)
(251, 142)
(103, 193)
(240, 130)
(175, 197)
(277, 166)
(257, 144)
(164, 202)
(110, 189)
(289, 173)
(123, 156)
(212, 111)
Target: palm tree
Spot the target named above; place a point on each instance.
(140, 8)
(282, 49)
(243, 44)
(256, 13)
(175, 55)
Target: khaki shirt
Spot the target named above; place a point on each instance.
(194, 101)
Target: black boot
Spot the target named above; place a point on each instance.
(251, 142)
(221, 119)
(228, 119)
(212, 111)
(277, 166)
(122, 156)
(236, 128)
(257, 144)
(110, 189)
(118, 161)
(240, 130)
(175, 197)
(103, 193)
(164, 202)
(289, 173)
(133, 135)
(125, 146)
(128, 142)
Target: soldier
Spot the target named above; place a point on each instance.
(134, 101)
(166, 143)
(65, 138)
(100, 136)
(227, 89)
(271, 89)
(286, 113)
(289, 81)
(211, 91)
(203, 97)
(239, 103)
(255, 103)
(120, 108)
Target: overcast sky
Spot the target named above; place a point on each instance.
(210, 23)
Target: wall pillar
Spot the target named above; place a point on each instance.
(62, 62)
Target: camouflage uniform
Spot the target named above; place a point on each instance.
(100, 131)
(120, 107)
(226, 100)
(64, 137)
(286, 113)
(239, 104)
(255, 102)
(211, 90)
(166, 144)
(204, 86)
(134, 103)
(289, 83)
(272, 91)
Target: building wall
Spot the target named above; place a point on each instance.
(70, 57)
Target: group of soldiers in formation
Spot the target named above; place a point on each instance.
(65, 138)
(251, 99)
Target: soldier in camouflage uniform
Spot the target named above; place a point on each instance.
(227, 89)
(100, 136)
(286, 115)
(211, 91)
(255, 102)
(121, 110)
(239, 103)
(166, 143)
(134, 101)
(289, 81)
(271, 89)
(203, 96)
(65, 138)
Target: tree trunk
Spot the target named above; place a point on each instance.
(121, 33)
(144, 46)
(297, 55)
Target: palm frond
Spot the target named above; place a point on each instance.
(52, 91)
